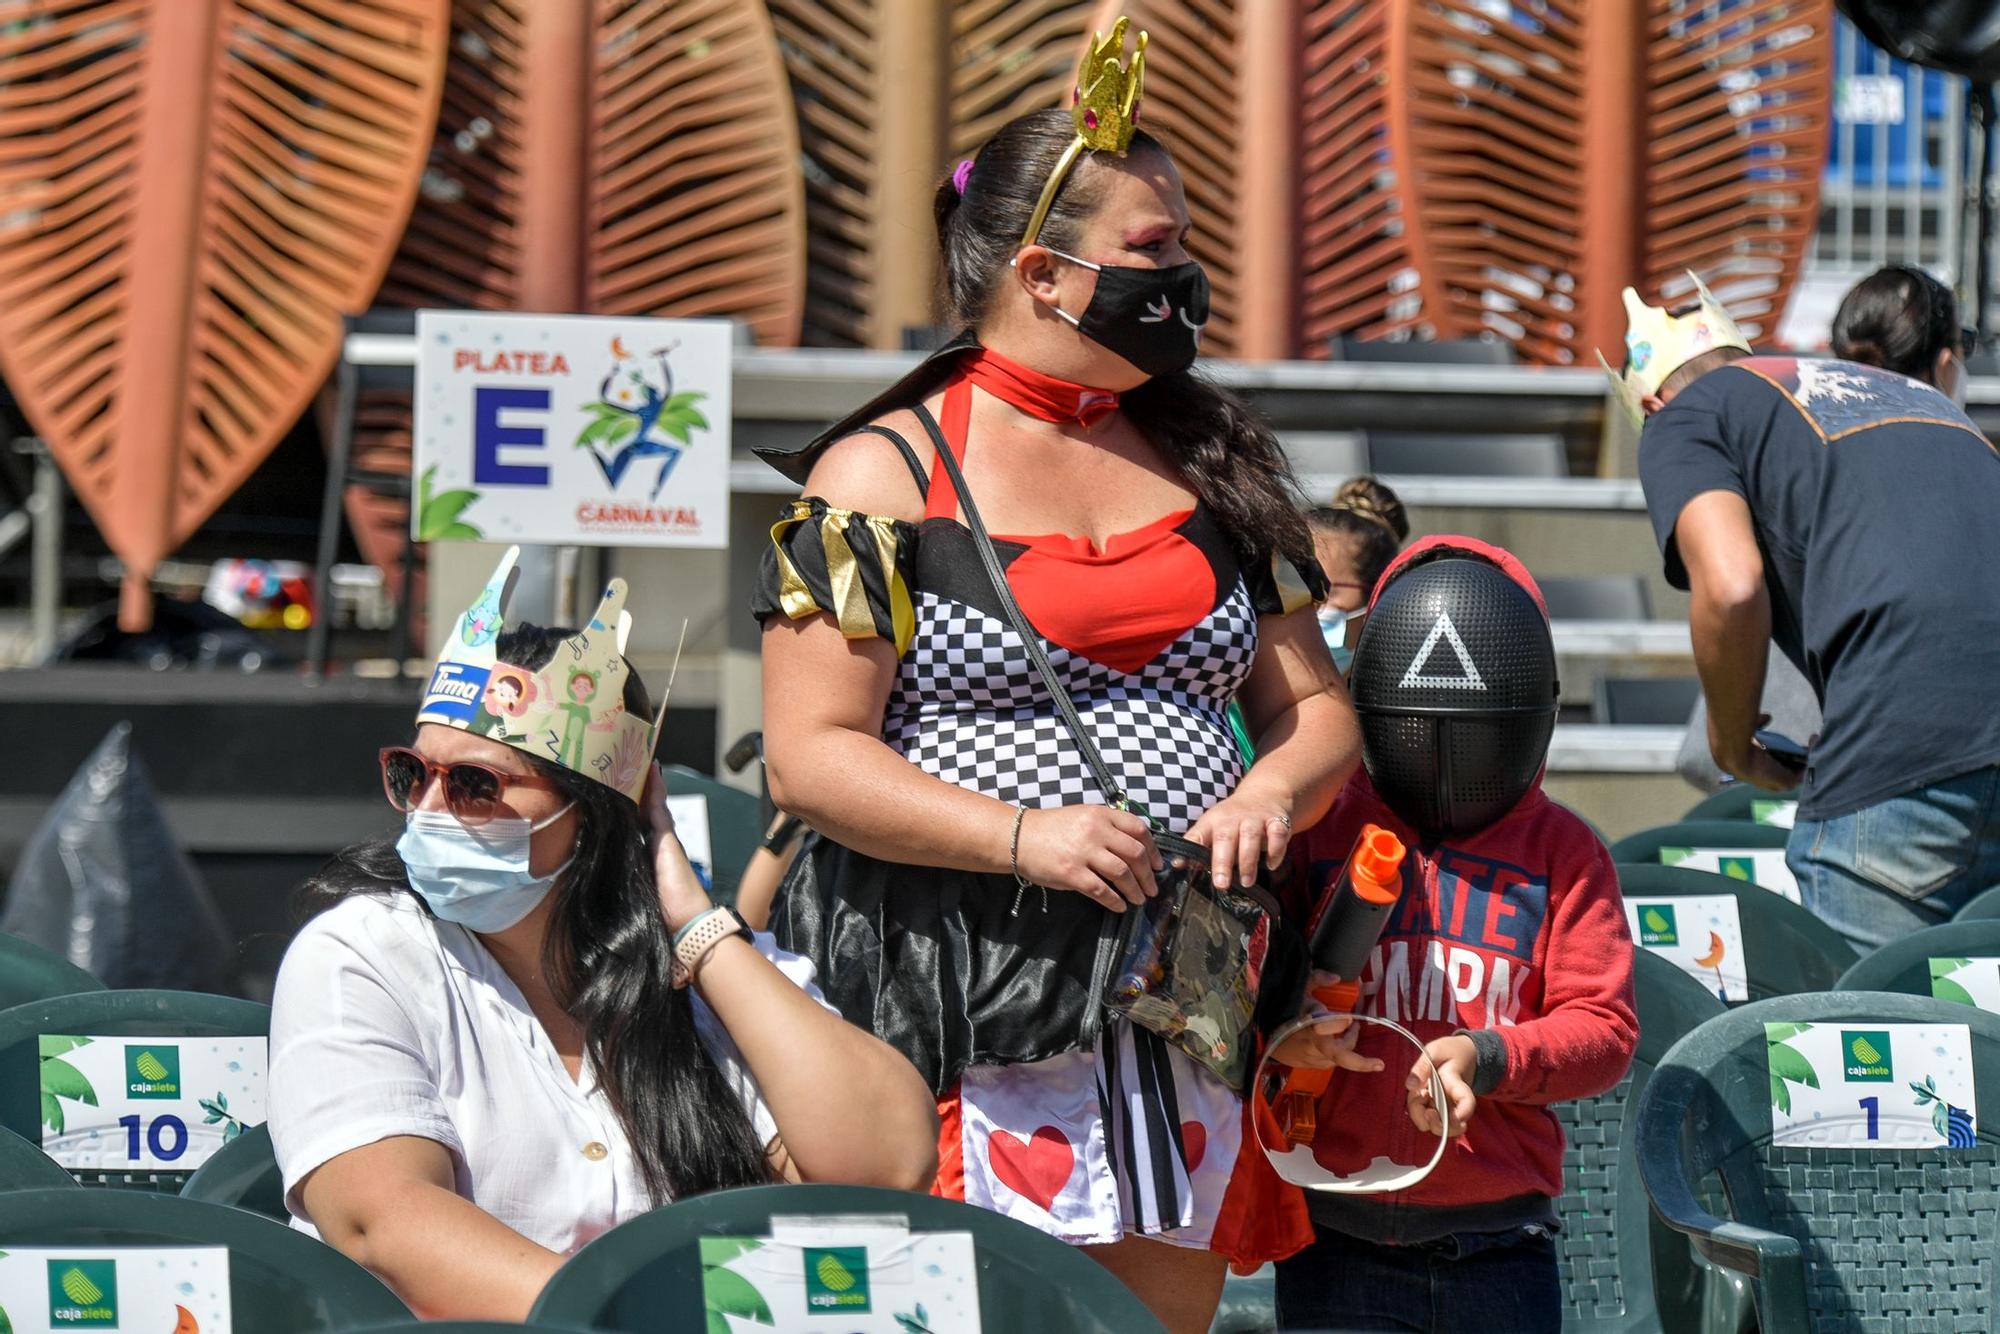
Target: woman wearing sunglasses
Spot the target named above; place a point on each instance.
(524, 1022)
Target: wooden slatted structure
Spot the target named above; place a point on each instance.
(192, 192)
(1357, 257)
(674, 176)
(1465, 168)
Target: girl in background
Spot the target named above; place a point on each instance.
(1355, 538)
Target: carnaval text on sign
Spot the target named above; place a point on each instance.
(1856, 1085)
(146, 1104)
(157, 1289)
(1701, 933)
(1758, 866)
(571, 430)
(854, 1276)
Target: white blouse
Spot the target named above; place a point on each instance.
(387, 1022)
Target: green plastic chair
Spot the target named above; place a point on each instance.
(1622, 1273)
(735, 826)
(1981, 907)
(1904, 965)
(1738, 801)
(1249, 1303)
(1643, 848)
(243, 1174)
(1832, 1239)
(110, 1013)
(1786, 949)
(23, 1166)
(30, 973)
(280, 1281)
(645, 1275)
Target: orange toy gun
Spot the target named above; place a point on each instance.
(1349, 922)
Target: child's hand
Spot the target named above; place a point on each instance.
(1454, 1059)
(1328, 1044)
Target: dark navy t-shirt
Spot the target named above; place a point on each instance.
(1877, 505)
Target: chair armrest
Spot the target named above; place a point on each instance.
(1770, 1257)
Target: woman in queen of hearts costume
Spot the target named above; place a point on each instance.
(967, 882)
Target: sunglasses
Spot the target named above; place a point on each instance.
(473, 793)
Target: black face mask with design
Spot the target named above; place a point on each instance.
(1150, 317)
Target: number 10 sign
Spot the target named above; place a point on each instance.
(137, 1103)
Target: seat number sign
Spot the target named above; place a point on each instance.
(1860, 1084)
(154, 1289)
(139, 1103)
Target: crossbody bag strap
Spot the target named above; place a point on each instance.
(1113, 792)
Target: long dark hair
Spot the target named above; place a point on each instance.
(1219, 445)
(1899, 318)
(609, 959)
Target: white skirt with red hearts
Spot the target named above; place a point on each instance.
(1092, 1146)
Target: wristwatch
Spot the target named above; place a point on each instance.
(693, 942)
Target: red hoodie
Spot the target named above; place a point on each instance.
(1515, 934)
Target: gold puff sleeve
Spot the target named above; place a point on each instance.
(857, 568)
(1279, 586)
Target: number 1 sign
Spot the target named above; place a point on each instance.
(1894, 1086)
(138, 1103)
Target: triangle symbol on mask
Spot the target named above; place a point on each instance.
(1436, 668)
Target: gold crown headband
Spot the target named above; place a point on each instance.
(1105, 108)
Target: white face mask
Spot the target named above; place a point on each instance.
(1958, 380)
(476, 876)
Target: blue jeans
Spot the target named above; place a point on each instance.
(1912, 861)
(1467, 1283)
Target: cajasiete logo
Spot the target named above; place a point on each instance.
(1864, 1055)
(1657, 925)
(153, 1071)
(83, 1294)
(837, 1279)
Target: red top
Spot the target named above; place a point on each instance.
(1120, 605)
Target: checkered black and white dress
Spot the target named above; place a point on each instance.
(1087, 1132)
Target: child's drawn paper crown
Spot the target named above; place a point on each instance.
(1658, 343)
(570, 712)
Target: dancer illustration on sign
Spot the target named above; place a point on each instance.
(637, 409)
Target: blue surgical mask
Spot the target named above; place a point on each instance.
(1333, 628)
(475, 877)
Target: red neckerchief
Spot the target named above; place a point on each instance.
(1036, 394)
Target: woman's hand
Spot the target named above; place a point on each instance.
(1242, 832)
(1101, 853)
(682, 899)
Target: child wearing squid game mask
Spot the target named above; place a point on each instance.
(1506, 955)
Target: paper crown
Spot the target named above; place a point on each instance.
(1658, 343)
(570, 712)
(1105, 108)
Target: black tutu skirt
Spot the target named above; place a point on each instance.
(937, 963)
